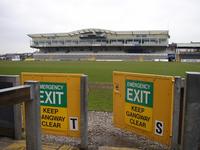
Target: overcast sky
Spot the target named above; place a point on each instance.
(21, 17)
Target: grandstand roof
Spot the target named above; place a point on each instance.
(98, 30)
(188, 45)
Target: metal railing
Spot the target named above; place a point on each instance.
(29, 94)
(50, 43)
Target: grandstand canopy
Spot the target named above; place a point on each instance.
(100, 40)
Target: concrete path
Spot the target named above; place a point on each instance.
(9, 144)
(115, 148)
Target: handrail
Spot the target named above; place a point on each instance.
(30, 95)
(14, 95)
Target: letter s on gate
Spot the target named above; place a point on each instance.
(159, 127)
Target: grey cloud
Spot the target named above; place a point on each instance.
(21, 17)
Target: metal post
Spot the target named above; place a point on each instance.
(84, 112)
(32, 112)
(17, 114)
(191, 112)
(176, 114)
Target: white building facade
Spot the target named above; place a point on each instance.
(98, 40)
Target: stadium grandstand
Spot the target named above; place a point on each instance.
(99, 40)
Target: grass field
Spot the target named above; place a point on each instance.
(98, 71)
(99, 99)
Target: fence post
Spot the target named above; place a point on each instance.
(17, 114)
(176, 114)
(84, 113)
(32, 112)
(191, 113)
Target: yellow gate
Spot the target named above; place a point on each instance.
(143, 104)
(60, 96)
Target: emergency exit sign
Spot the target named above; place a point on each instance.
(139, 104)
(53, 100)
(139, 92)
(53, 94)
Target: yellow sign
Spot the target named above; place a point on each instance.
(139, 104)
(146, 104)
(53, 118)
(60, 102)
(139, 117)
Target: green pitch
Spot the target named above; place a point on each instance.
(98, 71)
(99, 99)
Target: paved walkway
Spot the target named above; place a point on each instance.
(115, 148)
(8, 144)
